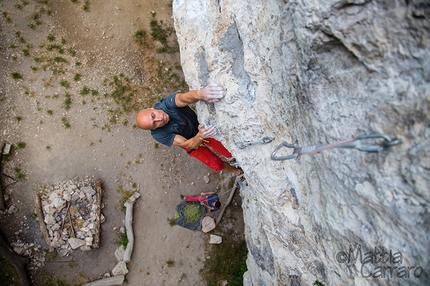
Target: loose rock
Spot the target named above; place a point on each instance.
(215, 239)
(120, 269)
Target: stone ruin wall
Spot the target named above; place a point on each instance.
(316, 72)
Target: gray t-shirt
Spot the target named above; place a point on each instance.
(183, 121)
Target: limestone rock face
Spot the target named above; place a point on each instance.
(317, 72)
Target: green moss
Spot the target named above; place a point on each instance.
(227, 262)
(8, 274)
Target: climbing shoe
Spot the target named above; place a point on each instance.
(241, 177)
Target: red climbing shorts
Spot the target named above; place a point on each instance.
(207, 156)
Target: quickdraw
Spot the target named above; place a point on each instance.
(356, 143)
(264, 140)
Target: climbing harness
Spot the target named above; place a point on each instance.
(350, 144)
(264, 140)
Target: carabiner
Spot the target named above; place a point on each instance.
(288, 145)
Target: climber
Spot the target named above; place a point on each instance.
(173, 122)
(209, 199)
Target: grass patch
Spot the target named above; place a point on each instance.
(125, 195)
(65, 84)
(85, 90)
(50, 112)
(172, 221)
(59, 60)
(141, 37)
(170, 263)
(21, 145)
(8, 274)
(51, 37)
(16, 75)
(72, 52)
(66, 122)
(67, 101)
(77, 77)
(123, 239)
(86, 6)
(227, 262)
(50, 280)
(56, 47)
(161, 32)
(26, 52)
(18, 173)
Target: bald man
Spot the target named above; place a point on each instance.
(173, 122)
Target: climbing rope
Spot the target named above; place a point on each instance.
(7, 176)
(356, 143)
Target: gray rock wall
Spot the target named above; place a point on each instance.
(317, 72)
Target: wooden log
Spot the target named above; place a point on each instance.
(40, 216)
(115, 280)
(17, 261)
(129, 226)
(227, 203)
(96, 243)
(2, 206)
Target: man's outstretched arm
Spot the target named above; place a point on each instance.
(211, 93)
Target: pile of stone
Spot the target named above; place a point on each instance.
(31, 250)
(71, 214)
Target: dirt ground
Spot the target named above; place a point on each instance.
(64, 143)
